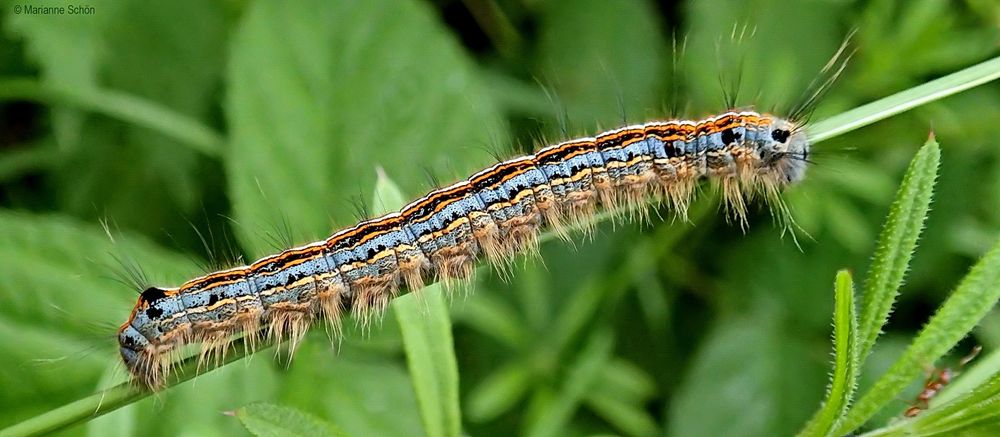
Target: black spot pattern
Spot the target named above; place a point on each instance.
(152, 294)
(730, 136)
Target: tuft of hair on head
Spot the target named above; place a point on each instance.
(802, 111)
(127, 270)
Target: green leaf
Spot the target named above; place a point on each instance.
(319, 91)
(388, 197)
(621, 398)
(845, 369)
(354, 389)
(967, 305)
(631, 419)
(426, 327)
(194, 408)
(499, 391)
(624, 380)
(266, 420)
(133, 63)
(897, 242)
(583, 374)
(493, 317)
(736, 376)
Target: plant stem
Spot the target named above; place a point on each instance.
(111, 399)
(903, 101)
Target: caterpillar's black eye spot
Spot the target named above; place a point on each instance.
(153, 312)
(730, 136)
(152, 294)
(780, 135)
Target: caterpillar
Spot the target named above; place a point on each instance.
(494, 214)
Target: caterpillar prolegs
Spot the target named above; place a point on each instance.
(494, 214)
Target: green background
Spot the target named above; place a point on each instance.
(271, 119)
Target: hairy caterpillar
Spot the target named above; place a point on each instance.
(493, 214)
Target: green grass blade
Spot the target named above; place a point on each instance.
(75, 412)
(897, 242)
(903, 101)
(845, 370)
(583, 374)
(430, 356)
(426, 327)
(967, 305)
(267, 420)
(122, 106)
(499, 392)
(111, 399)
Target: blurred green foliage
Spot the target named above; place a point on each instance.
(689, 329)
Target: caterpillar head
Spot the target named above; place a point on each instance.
(137, 350)
(785, 151)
